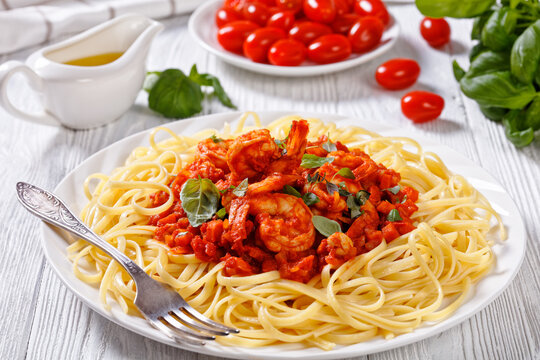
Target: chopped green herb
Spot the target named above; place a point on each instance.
(221, 213)
(310, 198)
(289, 190)
(343, 191)
(346, 173)
(200, 200)
(354, 207)
(362, 196)
(393, 215)
(325, 226)
(316, 178)
(404, 199)
(241, 189)
(216, 139)
(394, 190)
(329, 146)
(310, 161)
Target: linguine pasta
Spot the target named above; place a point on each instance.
(421, 276)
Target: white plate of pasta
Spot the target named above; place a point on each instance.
(449, 266)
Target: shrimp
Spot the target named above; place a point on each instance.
(295, 148)
(284, 222)
(336, 249)
(249, 154)
(215, 151)
(274, 182)
(255, 153)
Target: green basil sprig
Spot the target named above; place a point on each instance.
(175, 95)
(310, 161)
(504, 76)
(200, 200)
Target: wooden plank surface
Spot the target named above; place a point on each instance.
(41, 319)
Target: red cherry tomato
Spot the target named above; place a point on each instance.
(259, 42)
(290, 5)
(307, 31)
(422, 106)
(232, 35)
(235, 5)
(225, 16)
(342, 7)
(366, 34)
(329, 48)
(435, 31)
(256, 12)
(287, 52)
(372, 8)
(282, 20)
(397, 74)
(344, 23)
(323, 11)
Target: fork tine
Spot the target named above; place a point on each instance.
(197, 325)
(197, 315)
(178, 326)
(175, 335)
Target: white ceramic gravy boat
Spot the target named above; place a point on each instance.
(83, 97)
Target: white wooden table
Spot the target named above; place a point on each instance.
(41, 319)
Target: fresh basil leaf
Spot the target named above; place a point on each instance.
(343, 191)
(532, 115)
(476, 50)
(310, 198)
(216, 139)
(316, 178)
(459, 73)
(525, 55)
(325, 226)
(346, 173)
(310, 161)
(478, 25)
(537, 77)
(498, 32)
(488, 62)
(404, 199)
(514, 128)
(362, 196)
(221, 213)
(453, 8)
(394, 215)
(289, 190)
(498, 89)
(329, 146)
(241, 189)
(174, 95)
(493, 113)
(331, 188)
(150, 80)
(394, 190)
(200, 200)
(211, 80)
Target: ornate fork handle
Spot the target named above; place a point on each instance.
(52, 210)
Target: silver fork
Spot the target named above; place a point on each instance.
(162, 307)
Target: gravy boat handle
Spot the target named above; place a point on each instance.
(7, 70)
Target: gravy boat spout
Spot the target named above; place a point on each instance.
(79, 94)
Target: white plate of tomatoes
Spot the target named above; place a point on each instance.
(294, 37)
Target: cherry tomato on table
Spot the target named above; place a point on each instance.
(422, 106)
(372, 8)
(290, 5)
(366, 34)
(329, 48)
(256, 12)
(232, 35)
(397, 74)
(287, 52)
(225, 16)
(435, 31)
(322, 11)
(344, 23)
(307, 31)
(259, 42)
(283, 20)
